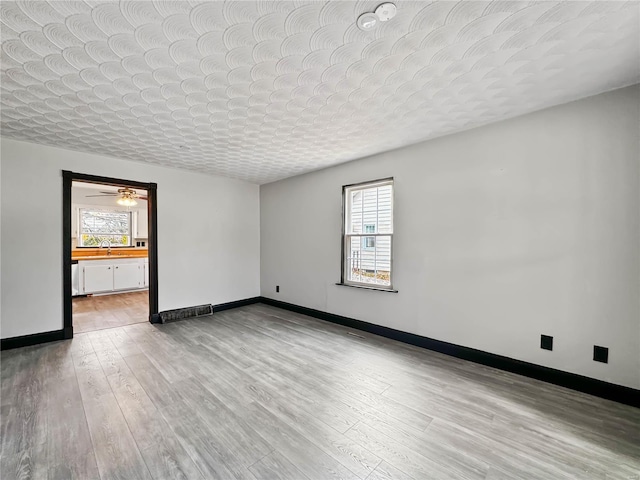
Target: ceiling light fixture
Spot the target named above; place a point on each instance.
(126, 201)
(369, 21)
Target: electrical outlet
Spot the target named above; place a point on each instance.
(600, 354)
(277, 288)
(546, 342)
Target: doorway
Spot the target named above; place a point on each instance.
(110, 252)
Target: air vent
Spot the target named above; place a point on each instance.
(187, 312)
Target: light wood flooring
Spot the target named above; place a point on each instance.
(262, 393)
(107, 311)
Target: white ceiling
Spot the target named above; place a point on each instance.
(262, 90)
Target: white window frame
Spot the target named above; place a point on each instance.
(346, 236)
(109, 210)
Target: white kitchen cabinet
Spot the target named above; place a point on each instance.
(141, 225)
(97, 278)
(126, 276)
(111, 275)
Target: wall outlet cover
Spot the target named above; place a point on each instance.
(546, 342)
(600, 354)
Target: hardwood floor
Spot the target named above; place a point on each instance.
(108, 311)
(262, 393)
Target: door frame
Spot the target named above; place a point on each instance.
(68, 178)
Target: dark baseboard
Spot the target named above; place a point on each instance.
(238, 303)
(34, 339)
(592, 386)
(68, 332)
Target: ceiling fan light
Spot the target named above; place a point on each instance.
(126, 202)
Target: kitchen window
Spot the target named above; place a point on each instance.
(99, 226)
(367, 240)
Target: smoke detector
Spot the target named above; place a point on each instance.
(386, 11)
(369, 21)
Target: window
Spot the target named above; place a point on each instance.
(369, 242)
(97, 226)
(368, 234)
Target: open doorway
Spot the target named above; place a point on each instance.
(110, 259)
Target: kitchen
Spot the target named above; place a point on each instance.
(109, 256)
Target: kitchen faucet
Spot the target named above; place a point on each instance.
(108, 246)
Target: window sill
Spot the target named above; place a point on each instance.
(364, 287)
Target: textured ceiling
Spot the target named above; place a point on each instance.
(262, 90)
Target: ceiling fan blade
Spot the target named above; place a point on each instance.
(108, 195)
(141, 197)
(111, 193)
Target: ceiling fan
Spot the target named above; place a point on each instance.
(127, 196)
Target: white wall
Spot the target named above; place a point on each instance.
(208, 234)
(502, 233)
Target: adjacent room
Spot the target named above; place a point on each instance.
(313, 240)
(109, 257)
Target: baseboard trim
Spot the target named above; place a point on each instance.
(235, 304)
(580, 383)
(34, 339)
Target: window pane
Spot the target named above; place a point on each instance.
(354, 219)
(90, 240)
(383, 260)
(369, 265)
(385, 209)
(354, 259)
(97, 226)
(369, 210)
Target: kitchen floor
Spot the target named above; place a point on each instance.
(108, 311)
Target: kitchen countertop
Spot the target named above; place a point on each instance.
(106, 257)
(96, 253)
